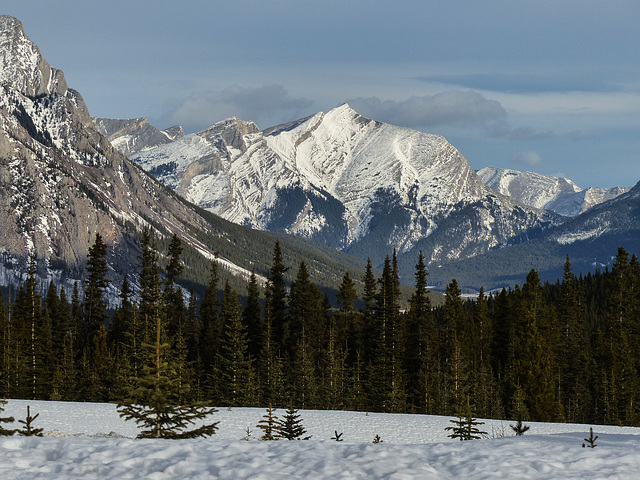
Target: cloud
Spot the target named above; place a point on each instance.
(448, 109)
(452, 108)
(529, 158)
(502, 129)
(266, 105)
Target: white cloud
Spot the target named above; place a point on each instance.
(529, 158)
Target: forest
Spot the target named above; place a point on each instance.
(555, 352)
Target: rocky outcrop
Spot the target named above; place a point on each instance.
(135, 135)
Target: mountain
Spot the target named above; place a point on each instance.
(135, 135)
(591, 240)
(61, 182)
(346, 181)
(558, 194)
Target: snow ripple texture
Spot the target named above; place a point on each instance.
(413, 447)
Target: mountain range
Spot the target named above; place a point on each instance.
(331, 186)
(366, 188)
(355, 184)
(62, 181)
(557, 194)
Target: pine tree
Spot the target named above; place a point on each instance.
(5, 431)
(155, 404)
(269, 425)
(173, 298)
(235, 363)
(252, 317)
(94, 303)
(420, 357)
(466, 427)
(276, 298)
(290, 427)
(28, 430)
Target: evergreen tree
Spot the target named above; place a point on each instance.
(94, 303)
(269, 425)
(276, 298)
(28, 430)
(173, 298)
(465, 426)
(420, 357)
(368, 314)
(252, 317)
(211, 330)
(574, 353)
(5, 431)
(149, 280)
(455, 353)
(155, 403)
(235, 363)
(290, 427)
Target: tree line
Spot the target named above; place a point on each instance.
(563, 351)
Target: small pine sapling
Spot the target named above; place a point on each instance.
(466, 426)
(4, 431)
(519, 428)
(591, 440)
(519, 412)
(377, 439)
(269, 424)
(337, 436)
(28, 430)
(290, 427)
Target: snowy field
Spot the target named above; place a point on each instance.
(90, 441)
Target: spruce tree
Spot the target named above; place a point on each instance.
(276, 298)
(465, 426)
(290, 427)
(234, 361)
(420, 355)
(28, 430)
(154, 405)
(173, 298)
(269, 425)
(94, 304)
(211, 336)
(5, 431)
(252, 317)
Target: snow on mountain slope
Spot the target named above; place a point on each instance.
(344, 180)
(61, 181)
(134, 135)
(22, 65)
(560, 195)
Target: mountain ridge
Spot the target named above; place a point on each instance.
(62, 181)
(334, 177)
(558, 194)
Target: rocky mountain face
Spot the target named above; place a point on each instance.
(61, 181)
(346, 181)
(560, 195)
(135, 135)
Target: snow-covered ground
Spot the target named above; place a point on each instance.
(90, 441)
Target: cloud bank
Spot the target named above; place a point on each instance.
(262, 105)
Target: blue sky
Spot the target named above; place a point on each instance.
(545, 86)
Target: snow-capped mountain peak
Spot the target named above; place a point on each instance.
(22, 66)
(558, 194)
(342, 179)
